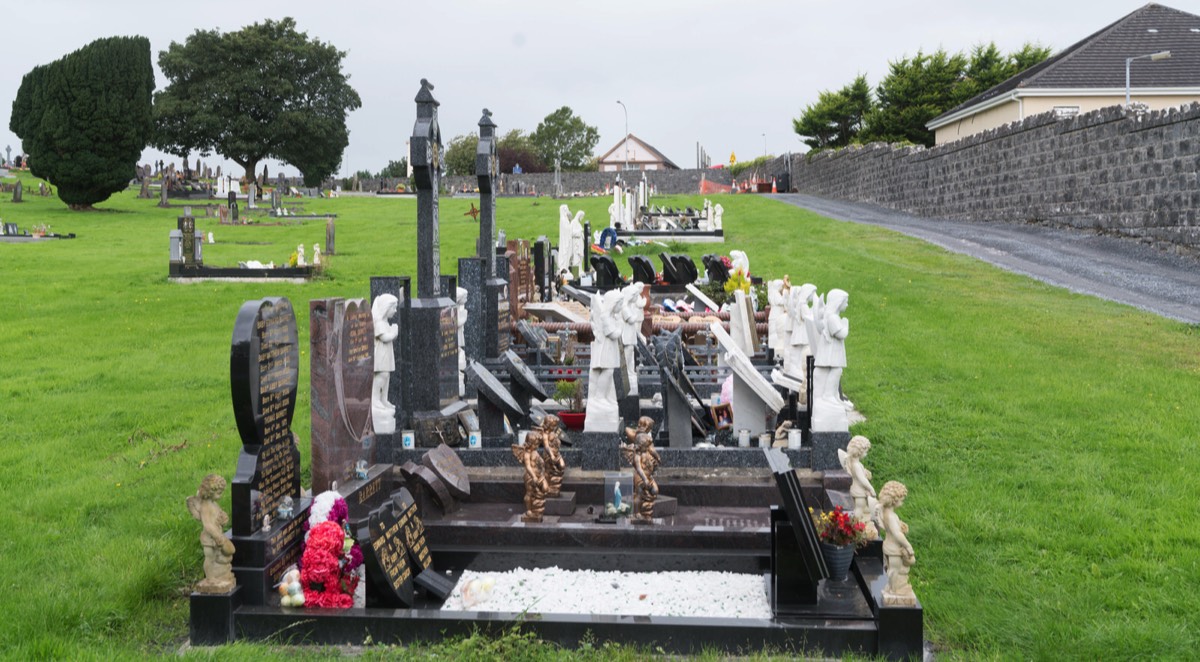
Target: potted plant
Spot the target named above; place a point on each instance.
(840, 533)
(569, 394)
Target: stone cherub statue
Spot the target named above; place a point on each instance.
(860, 486)
(898, 556)
(383, 412)
(536, 485)
(640, 453)
(556, 465)
(218, 550)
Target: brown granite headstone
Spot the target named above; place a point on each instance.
(342, 343)
(447, 466)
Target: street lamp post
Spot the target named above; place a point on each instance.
(626, 133)
(1154, 57)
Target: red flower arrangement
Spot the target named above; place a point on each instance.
(324, 580)
(838, 527)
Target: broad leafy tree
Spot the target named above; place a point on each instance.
(265, 91)
(460, 155)
(85, 119)
(837, 117)
(516, 147)
(395, 169)
(564, 137)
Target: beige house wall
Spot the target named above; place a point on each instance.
(1017, 110)
(991, 118)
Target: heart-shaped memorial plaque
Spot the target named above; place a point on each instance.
(264, 373)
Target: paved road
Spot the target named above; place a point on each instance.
(1122, 270)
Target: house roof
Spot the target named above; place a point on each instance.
(1098, 61)
(649, 148)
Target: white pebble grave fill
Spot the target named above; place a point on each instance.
(556, 591)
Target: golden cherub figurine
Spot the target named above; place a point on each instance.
(640, 453)
(556, 466)
(218, 550)
(536, 485)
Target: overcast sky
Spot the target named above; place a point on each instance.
(727, 75)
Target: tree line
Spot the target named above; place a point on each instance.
(915, 90)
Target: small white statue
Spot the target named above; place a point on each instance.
(383, 412)
(898, 556)
(633, 313)
(461, 299)
(716, 222)
(777, 318)
(300, 256)
(564, 237)
(210, 238)
(577, 246)
(316, 255)
(602, 411)
(860, 486)
(829, 410)
(740, 261)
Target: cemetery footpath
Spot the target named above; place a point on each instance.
(1044, 435)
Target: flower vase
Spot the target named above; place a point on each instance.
(837, 559)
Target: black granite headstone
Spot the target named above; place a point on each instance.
(715, 268)
(796, 505)
(495, 402)
(607, 274)
(386, 550)
(643, 269)
(446, 464)
(524, 385)
(264, 370)
(670, 275)
(685, 268)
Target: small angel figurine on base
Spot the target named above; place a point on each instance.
(897, 551)
(640, 453)
(556, 466)
(218, 550)
(536, 485)
(860, 487)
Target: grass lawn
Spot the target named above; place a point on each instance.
(1048, 439)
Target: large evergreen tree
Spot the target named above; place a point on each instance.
(85, 119)
(837, 117)
(265, 91)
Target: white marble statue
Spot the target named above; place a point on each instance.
(316, 255)
(383, 412)
(740, 261)
(614, 215)
(616, 211)
(602, 411)
(777, 317)
(564, 237)
(898, 555)
(210, 238)
(577, 246)
(860, 486)
(829, 411)
(633, 313)
(717, 212)
(300, 256)
(740, 323)
(461, 299)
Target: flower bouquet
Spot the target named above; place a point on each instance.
(839, 528)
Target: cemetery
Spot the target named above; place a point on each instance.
(646, 434)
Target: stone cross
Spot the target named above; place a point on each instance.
(426, 160)
(487, 167)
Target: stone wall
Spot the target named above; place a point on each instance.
(666, 181)
(1105, 171)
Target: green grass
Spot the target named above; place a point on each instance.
(1048, 439)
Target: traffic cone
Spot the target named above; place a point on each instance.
(773, 189)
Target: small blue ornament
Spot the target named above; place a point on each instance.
(617, 497)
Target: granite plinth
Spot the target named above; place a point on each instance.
(825, 446)
(258, 582)
(259, 548)
(901, 628)
(561, 505)
(601, 450)
(210, 621)
(498, 453)
(471, 277)
(665, 506)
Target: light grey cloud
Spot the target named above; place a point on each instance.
(720, 74)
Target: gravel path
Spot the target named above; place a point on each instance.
(556, 591)
(1113, 268)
